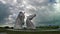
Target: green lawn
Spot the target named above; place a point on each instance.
(22, 32)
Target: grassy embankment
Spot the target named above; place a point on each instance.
(22, 32)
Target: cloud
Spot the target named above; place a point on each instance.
(4, 12)
(46, 11)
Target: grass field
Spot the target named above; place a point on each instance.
(2, 30)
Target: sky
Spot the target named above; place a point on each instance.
(47, 11)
